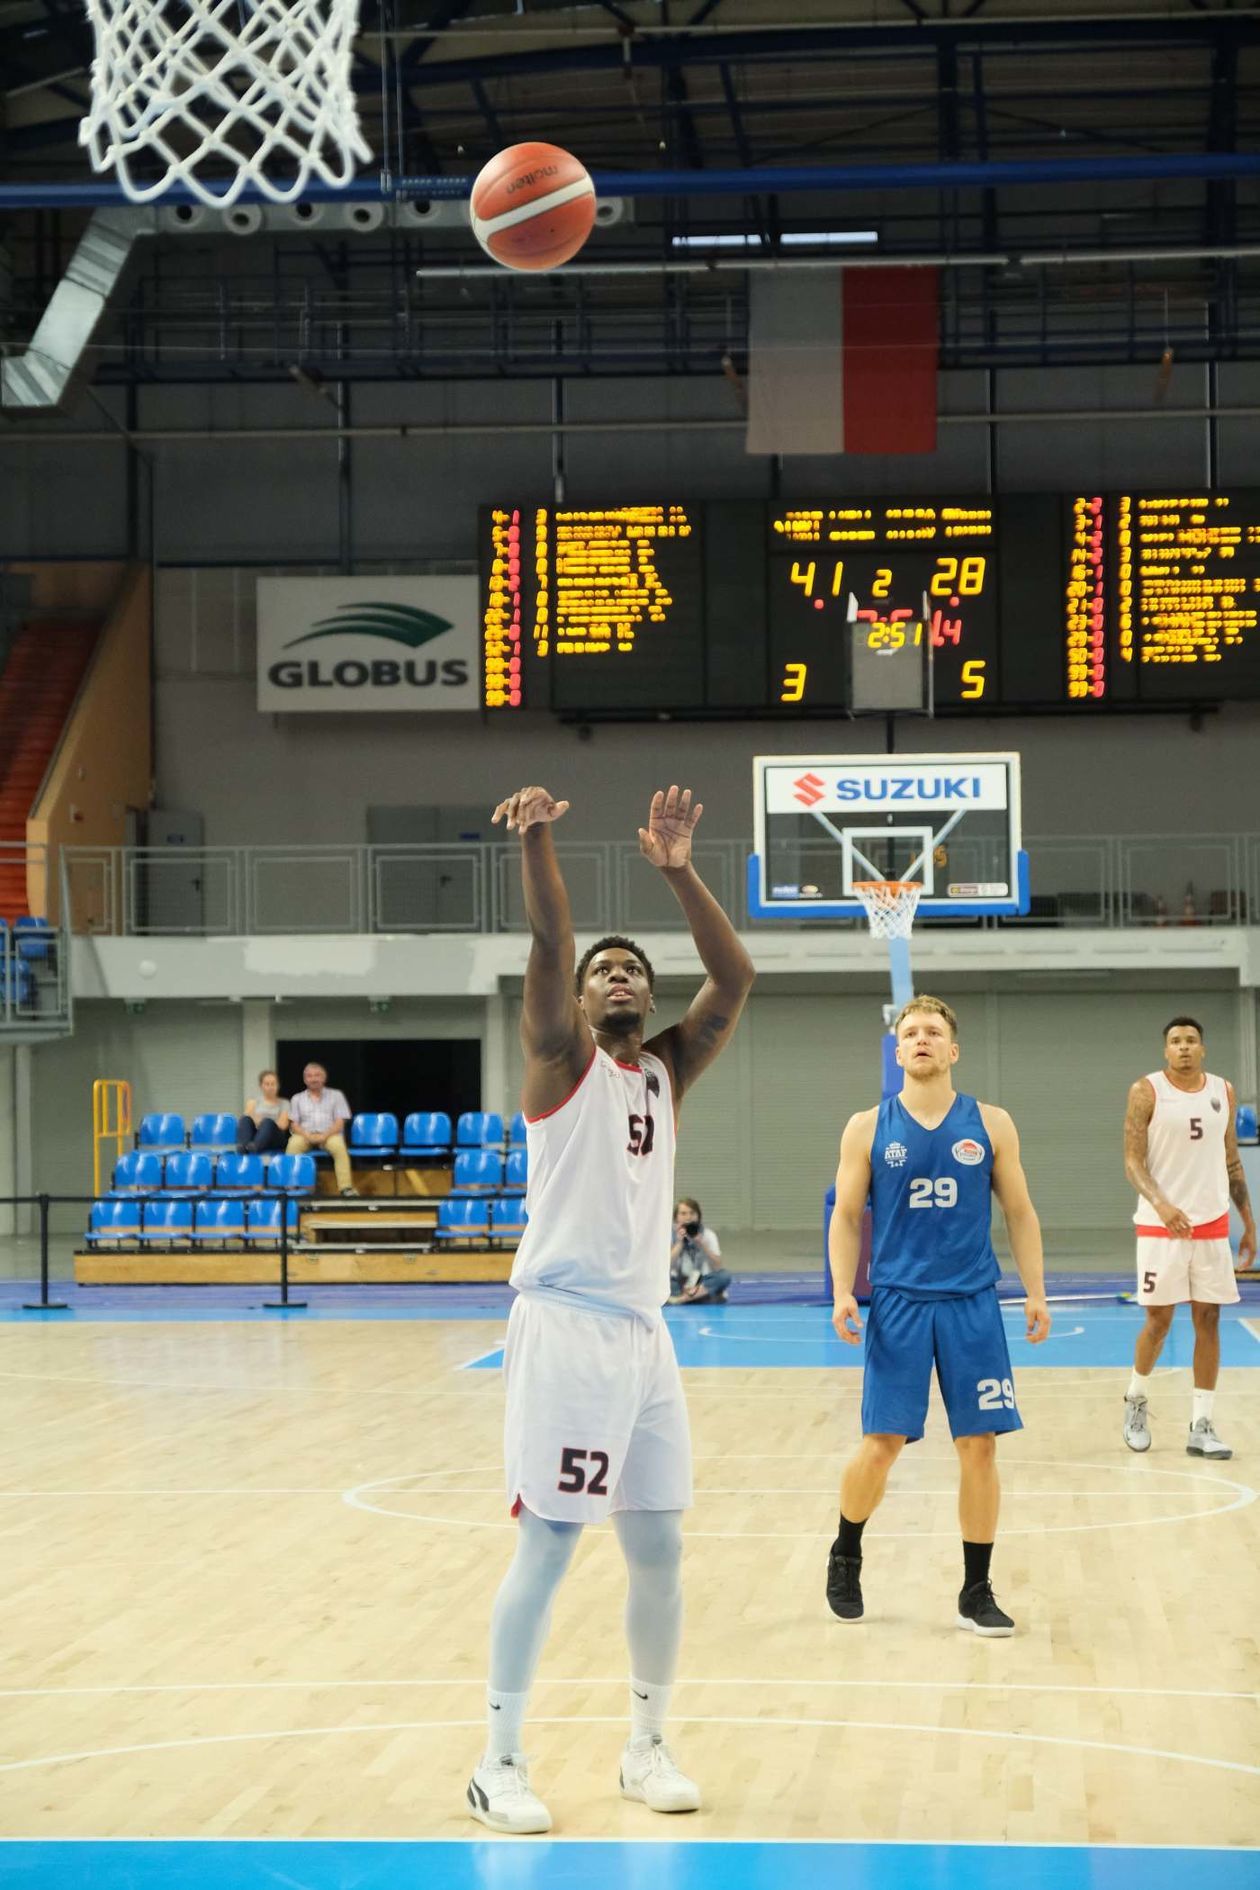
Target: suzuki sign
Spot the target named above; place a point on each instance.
(394, 643)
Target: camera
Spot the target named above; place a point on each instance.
(691, 1229)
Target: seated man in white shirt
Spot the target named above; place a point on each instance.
(319, 1117)
(695, 1258)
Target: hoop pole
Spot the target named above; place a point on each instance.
(899, 970)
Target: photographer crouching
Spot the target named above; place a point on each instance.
(695, 1259)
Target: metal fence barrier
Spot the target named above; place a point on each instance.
(1106, 880)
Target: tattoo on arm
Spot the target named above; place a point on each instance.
(1238, 1187)
(1137, 1121)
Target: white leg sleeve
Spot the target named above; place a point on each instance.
(522, 1607)
(651, 1541)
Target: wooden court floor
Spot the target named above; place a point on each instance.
(248, 1570)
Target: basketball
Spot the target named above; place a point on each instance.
(532, 206)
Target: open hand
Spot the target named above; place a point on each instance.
(1179, 1225)
(666, 840)
(1247, 1247)
(528, 807)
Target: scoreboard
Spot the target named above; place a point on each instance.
(1029, 601)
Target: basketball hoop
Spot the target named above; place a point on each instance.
(890, 905)
(261, 87)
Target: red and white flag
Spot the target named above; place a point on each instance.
(842, 361)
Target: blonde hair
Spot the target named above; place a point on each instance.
(934, 1006)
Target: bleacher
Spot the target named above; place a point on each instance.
(183, 1207)
(27, 961)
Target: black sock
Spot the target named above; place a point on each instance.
(849, 1541)
(976, 1559)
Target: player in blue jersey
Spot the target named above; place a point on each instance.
(929, 1160)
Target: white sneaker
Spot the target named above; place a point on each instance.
(499, 1795)
(1137, 1431)
(1203, 1441)
(649, 1774)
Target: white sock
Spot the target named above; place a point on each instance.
(649, 1708)
(1139, 1387)
(505, 1716)
(1201, 1405)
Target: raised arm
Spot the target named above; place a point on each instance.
(1238, 1186)
(1137, 1122)
(557, 1043)
(689, 1046)
(1010, 1185)
(844, 1236)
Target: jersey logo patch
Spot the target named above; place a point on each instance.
(1216, 1104)
(969, 1153)
(895, 1154)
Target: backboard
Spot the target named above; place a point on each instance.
(951, 822)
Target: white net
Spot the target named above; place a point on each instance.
(223, 93)
(890, 905)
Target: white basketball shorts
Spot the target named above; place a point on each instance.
(596, 1420)
(1170, 1272)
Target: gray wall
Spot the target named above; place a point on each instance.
(759, 1136)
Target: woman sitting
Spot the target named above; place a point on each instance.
(264, 1128)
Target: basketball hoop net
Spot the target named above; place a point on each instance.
(890, 905)
(261, 87)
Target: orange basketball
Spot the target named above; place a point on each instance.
(532, 206)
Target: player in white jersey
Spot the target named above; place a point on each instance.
(596, 1423)
(1181, 1154)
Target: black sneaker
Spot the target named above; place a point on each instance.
(844, 1586)
(978, 1611)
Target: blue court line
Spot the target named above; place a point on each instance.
(533, 1864)
(802, 1337)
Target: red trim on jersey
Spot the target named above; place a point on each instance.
(637, 1067)
(572, 1093)
(516, 1507)
(1207, 1230)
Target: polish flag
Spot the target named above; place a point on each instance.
(842, 361)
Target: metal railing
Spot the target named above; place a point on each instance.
(1105, 880)
(35, 995)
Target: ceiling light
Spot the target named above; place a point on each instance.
(792, 239)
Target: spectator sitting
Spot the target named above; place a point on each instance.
(695, 1270)
(318, 1119)
(263, 1129)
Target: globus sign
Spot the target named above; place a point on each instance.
(367, 643)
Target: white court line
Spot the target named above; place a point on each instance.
(618, 1719)
(1253, 1327)
(824, 1335)
(619, 1681)
(356, 1498)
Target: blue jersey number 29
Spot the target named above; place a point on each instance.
(926, 1192)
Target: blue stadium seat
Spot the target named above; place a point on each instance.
(507, 1217)
(479, 1128)
(33, 938)
(463, 1219)
(295, 1174)
(477, 1171)
(213, 1132)
(188, 1172)
(239, 1171)
(375, 1133)
(219, 1220)
(113, 1221)
(17, 986)
(427, 1132)
(516, 1170)
(165, 1222)
(137, 1172)
(163, 1133)
(262, 1222)
(516, 1130)
(1245, 1125)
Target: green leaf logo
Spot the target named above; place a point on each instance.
(397, 623)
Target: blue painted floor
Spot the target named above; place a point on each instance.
(528, 1864)
(787, 1336)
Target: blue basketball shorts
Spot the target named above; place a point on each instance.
(965, 1340)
